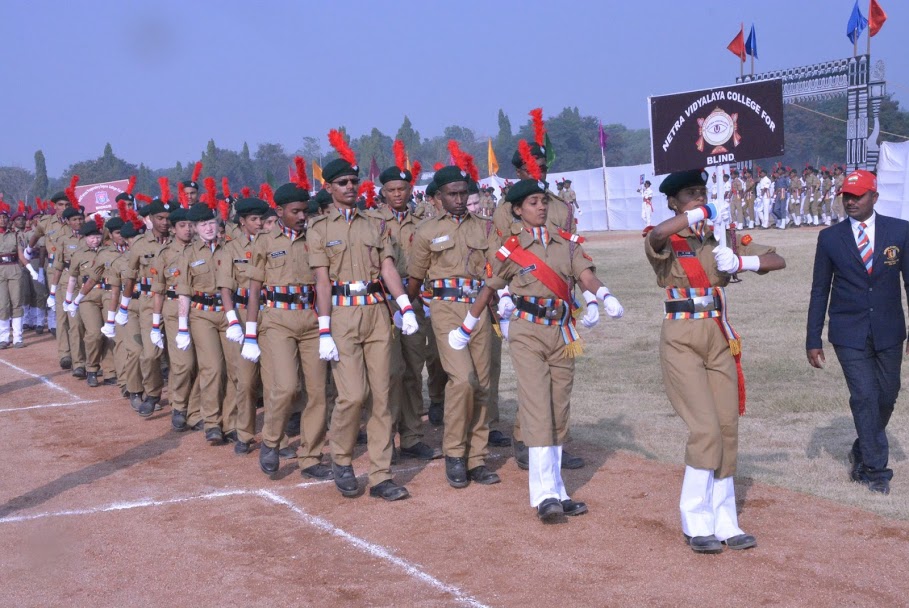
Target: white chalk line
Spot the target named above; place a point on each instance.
(43, 379)
(47, 405)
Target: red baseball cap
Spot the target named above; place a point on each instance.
(859, 182)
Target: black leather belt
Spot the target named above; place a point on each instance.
(690, 306)
(143, 287)
(8, 258)
(453, 292)
(290, 298)
(242, 300)
(170, 294)
(546, 312)
(206, 299)
(349, 290)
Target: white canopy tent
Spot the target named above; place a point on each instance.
(893, 180)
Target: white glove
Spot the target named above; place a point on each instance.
(51, 301)
(32, 272)
(409, 325)
(183, 339)
(234, 331)
(109, 329)
(155, 333)
(506, 304)
(723, 214)
(251, 351)
(122, 315)
(726, 260)
(503, 326)
(610, 303)
(397, 319)
(459, 337)
(592, 316)
(68, 306)
(41, 278)
(328, 350)
(29, 253)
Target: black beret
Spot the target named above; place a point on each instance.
(143, 211)
(473, 187)
(449, 175)
(125, 196)
(200, 212)
(290, 193)
(566, 181)
(323, 198)
(269, 213)
(392, 174)
(129, 230)
(337, 168)
(250, 206)
(71, 212)
(432, 189)
(189, 184)
(114, 223)
(89, 228)
(313, 208)
(682, 179)
(177, 215)
(535, 149)
(59, 196)
(158, 206)
(524, 188)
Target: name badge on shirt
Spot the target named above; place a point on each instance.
(277, 254)
(197, 263)
(72, 246)
(241, 261)
(527, 269)
(686, 254)
(333, 243)
(440, 239)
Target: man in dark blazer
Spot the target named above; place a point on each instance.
(863, 260)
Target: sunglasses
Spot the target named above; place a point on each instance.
(343, 182)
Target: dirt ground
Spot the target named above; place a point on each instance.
(100, 507)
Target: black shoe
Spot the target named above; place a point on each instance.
(741, 541)
(79, 373)
(293, 425)
(549, 509)
(879, 486)
(178, 420)
(345, 480)
(5, 344)
(571, 462)
(268, 460)
(498, 439)
(521, 455)
(287, 452)
(318, 471)
(53, 331)
(436, 413)
(574, 507)
(148, 406)
(19, 345)
(483, 476)
(91, 378)
(242, 447)
(421, 451)
(135, 400)
(39, 330)
(456, 472)
(231, 437)
(362, 438)
(198, 426)
(389, 490)
(214, 436)
(110, 381)
(704, 544)
(855, 471)
(65, 362)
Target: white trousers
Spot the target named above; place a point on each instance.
(17, 330)
(51, 319)
(708, 505)
(4, 330)
(545, 474)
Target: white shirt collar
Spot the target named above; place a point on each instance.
(869, 223)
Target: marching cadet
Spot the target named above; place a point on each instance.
(838, 180)
(109, 274)
(141, 255)
(736, 186)
(12, 254)
(234, 262)
(86, 271)
(451, 252)
(190, 187)
(543, 338)
(408, 353)
(796, 187)
(570, 196)
(827, 193)
(750, 185)
(436, 379)
(39, 282)
(817, 197)
(700, 355)
(288, 329)
(17, 224)
(348, 252)
(65, 247)
(182, 379)
(201, 321)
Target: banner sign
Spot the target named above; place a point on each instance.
(718, 126)
(100, 197)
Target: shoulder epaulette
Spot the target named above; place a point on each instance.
(568, 236)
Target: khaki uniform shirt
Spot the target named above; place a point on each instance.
(444, 249)
(278, 262)
(749, 188)
(165, 267)
(812, 183)
(50, 227)
(66, 248)
(795, 186)
(234, 260)
(351, 251)
(402, 234)
(558, 217)
(10, 242)
(198, 268)
(141, 254)
(86, 264)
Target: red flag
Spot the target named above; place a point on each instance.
(374, 170)
(737, 46)
(876, 18)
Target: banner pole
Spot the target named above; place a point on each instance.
(752, 62)
(605, 190)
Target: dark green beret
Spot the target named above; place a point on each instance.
(178, 215)
(114, 223)
(566, 181)
(323, 198)
(449, 175)
(337, 168)
(70, 212)
(524, 188)
(200, 213)
(314, 208)
(473, 187)
(59, 196)
(123, 196)
(158, 206)
(129, 230)
(392, 174)
(535, 149)
(189, 184)
(682, 179)
(143, 211)
(250, 206)
(89, 228)
(269, 213)
(432, 189)
(291, 193)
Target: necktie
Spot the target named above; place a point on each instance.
(864, 246)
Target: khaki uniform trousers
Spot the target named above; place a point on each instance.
(127, 348)
(749, 208)
(545, 378)
(183, 378)
(838, 210)
(207, 328)
(243, 376)
(363, 337)
(437, 378)
(91, 316)
(816, 204)
(405, 392)
(70, 331)
(289, 340)
(39, 290)
(466, 432)
(736, 210)
(702, 385)
(150, 358)
(495, 373)
(10, 291)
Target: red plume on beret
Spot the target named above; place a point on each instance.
(225, 187)
(417, 170)
(131, 184)
(39, 204)
(539, 128)
(211, 192)
(197, 171)
(21, 207)
(121, 208)
(71, 192)
(4, 208)
(267, 195)
(301, 179)
(463, 160)
(437, 166)
(530, 163)
(223, 209)
(144, 198)
(99, 221)
(400, 155)
(369, 189)
(182, 198)
(336, 139)
(245, 191)
(164, 184)
(135, 220)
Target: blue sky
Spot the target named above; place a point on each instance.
(159, 79)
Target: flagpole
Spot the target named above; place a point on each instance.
(855, 43)
(605, 189)
(752, 62)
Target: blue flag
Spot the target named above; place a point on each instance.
(857, 24)
(751, 43)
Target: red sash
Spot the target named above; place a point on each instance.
(547, 276)
(698, 279)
